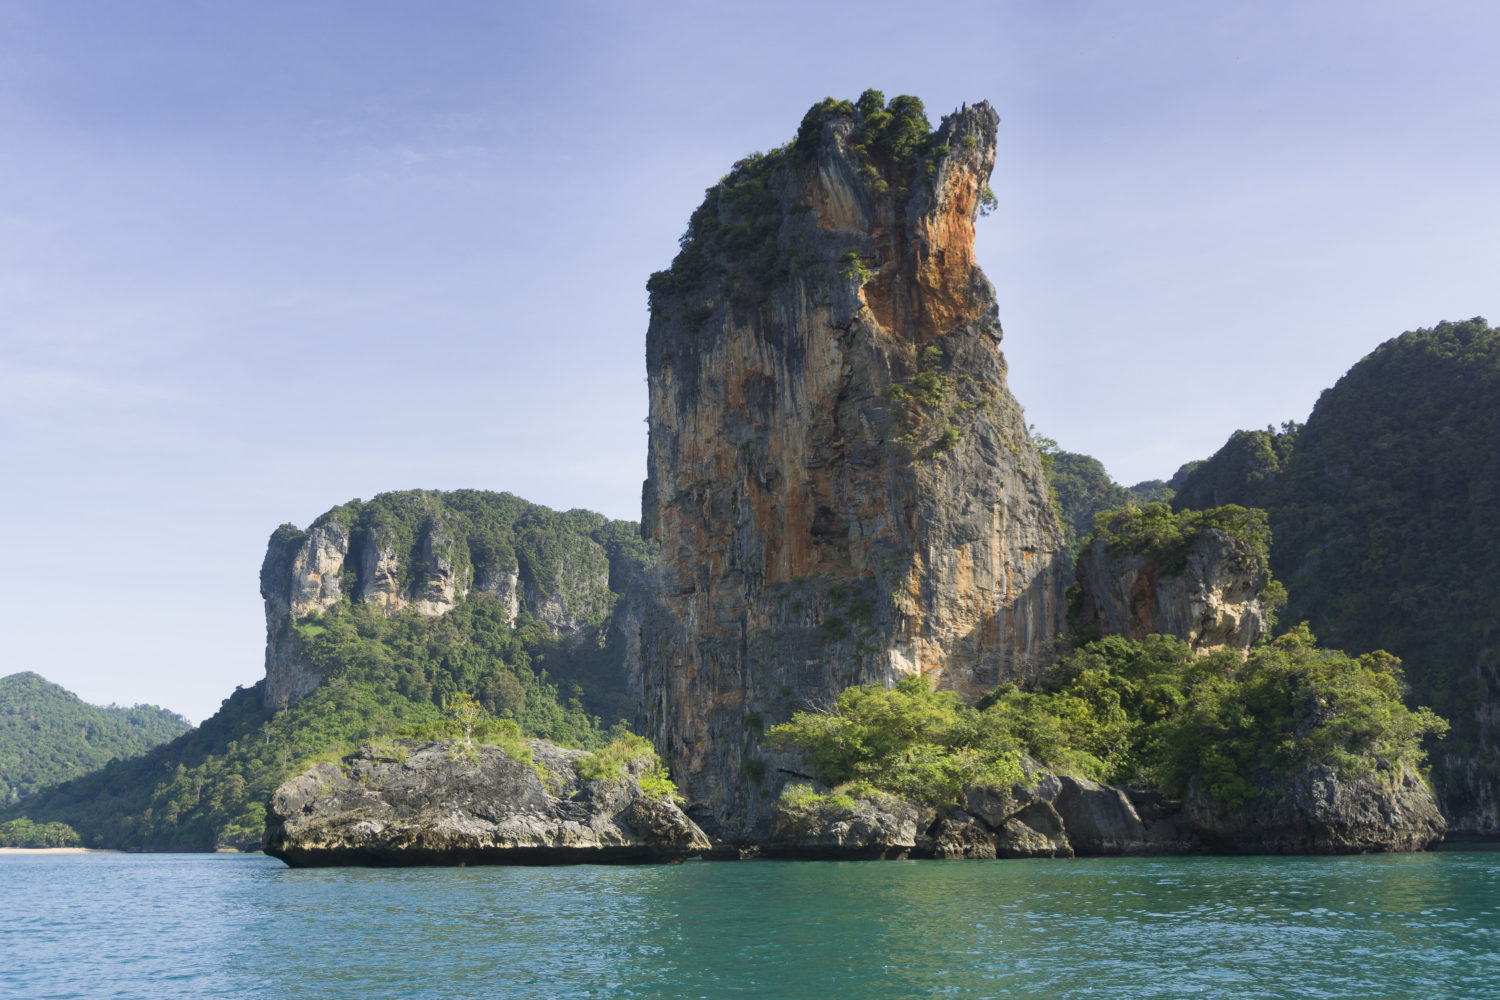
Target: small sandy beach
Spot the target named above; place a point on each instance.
(53, 850)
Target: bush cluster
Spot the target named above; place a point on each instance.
(24, 833)
(1124, 711)
(609, 763)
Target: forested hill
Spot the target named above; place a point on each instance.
(1082, 489)
(547, 651)
(48, 734)
(1385, 510)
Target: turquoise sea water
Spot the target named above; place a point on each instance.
(191, 926)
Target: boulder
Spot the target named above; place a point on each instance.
(962, 837)
(1099, 819)
(1388, 809)
(444, 803)
(1033, 831)
(838, 827)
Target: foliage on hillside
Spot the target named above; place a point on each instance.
(1386, 511)
(1243, 472)
(49, 734)
(384, 676)
(1125, 711)
(1082, 490)
(1167, 536)
(1388, 520)
(24, 833)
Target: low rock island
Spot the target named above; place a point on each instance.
(445, 803)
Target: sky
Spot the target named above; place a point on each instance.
(260, 259)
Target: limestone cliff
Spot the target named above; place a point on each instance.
(423, 552)
(1203, 583)
(844, 489)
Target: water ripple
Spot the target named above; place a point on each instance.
(164, 926)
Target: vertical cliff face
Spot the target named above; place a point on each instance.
(843, 487)
(423, 552)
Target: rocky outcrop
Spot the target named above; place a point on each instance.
(844, 489)
(451, 804)
(424, 552)
(1209, 594)
(1106, 820)
(1317, 813)
(841, 828)
(1057, 816)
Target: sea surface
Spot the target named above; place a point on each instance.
(196, 926)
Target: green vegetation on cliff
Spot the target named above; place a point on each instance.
(1386, 510)
(485, 536)
(1122, 711)
(737, 231)
(1167, 536)
(49, 734)
(384, 675)
(1243, 472)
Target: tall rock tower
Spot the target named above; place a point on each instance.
(843, 487)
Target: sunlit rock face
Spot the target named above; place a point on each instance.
(843, 488)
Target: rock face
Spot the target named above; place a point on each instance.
(1054, 816)
(844, 490)
(869, 828)
(445, 804)
(424, 551)
(1384, 810)
(1210, 596)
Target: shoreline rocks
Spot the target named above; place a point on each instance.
(444, 803)
(1386, 810)
(1062, 817)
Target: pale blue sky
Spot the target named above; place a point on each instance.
(257, 260)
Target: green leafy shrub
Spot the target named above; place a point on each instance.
(22, 832)
(609, 764)
(947, 441)
(910, 740)
(1122, 711)
(855, 267)
(987, 200)
(1154, 529)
